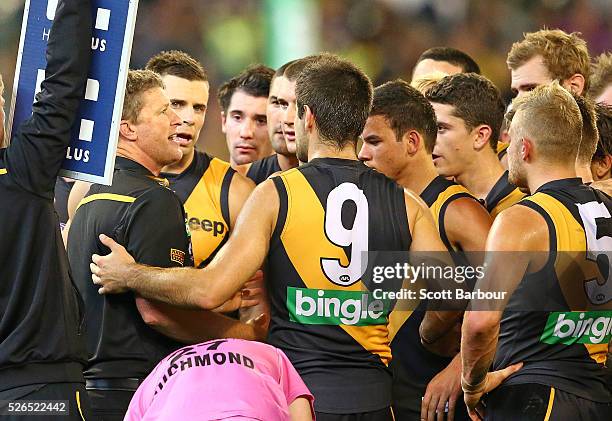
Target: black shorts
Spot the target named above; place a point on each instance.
(384, 414)
(72, 395)
(535, 402)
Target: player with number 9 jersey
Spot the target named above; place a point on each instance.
(332, 212)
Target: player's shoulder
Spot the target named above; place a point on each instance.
(518, 227)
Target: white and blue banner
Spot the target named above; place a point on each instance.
(91, 154)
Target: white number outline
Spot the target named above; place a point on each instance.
(597, 293)
(357, 237)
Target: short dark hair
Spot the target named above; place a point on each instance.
(589, 134)
(475, 98)
(293, 70)
(281, 70)
(177, 63)
(452, 56)
(339, 95)
(405, 108)
(604, 126)
(254, 81)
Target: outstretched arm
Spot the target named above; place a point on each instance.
(205, 288)
(39, 145)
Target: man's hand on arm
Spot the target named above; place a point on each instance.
(205, 288)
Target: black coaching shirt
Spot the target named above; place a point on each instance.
(41, 338)
(148, 219)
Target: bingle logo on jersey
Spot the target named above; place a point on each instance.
(91, 154)
(589, 327)
(334, 307)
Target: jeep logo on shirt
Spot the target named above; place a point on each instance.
(216, 227)
(588, 327)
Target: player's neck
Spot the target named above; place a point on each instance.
(584, 172)
(481, 174)
(286, 162)
(418, 174)
(537, 177)
(322, 150)
(137, 155)
(180, 166)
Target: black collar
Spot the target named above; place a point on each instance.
(559, 184)
(501, 189)
(127, 164)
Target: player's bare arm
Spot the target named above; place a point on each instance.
(240, 189)
(193, 326)
(517, 229)
(470, 238)
(446, 385)
(192, 288)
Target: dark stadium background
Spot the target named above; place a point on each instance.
(385, 37)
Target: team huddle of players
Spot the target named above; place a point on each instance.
(443, 165)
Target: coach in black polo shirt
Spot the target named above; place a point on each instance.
(126, 335)
(42, 348)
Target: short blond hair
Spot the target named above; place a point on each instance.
(564, 54)
(1, 85)
(590, 134)
(424, 83)
(138, 82)
(550, 117)
(601, 74)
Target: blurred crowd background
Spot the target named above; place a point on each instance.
(385, 37)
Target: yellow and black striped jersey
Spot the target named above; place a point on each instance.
(203, 188)
(324, 317)
(502, 149)
(565, 348)
(503, 195)
(413, 365)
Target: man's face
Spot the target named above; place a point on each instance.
(531, 74)
(381, 149)
(301, 138)
(428, 66)
(189, 100)
(516, 171)
(245, 128)
(454, 143)
(156, 128)
(274, 115)
(606, 96)
(286, 99)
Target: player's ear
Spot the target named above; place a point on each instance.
(413, 141)
(223, 121)
(127, 130)
(483, 135)
(526, 148)
(601, 167)
(309, 120)
(574, 84)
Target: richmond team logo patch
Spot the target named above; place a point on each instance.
(177, 256)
